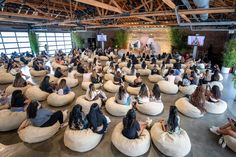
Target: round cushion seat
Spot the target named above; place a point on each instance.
(178, 145)
(71, 82)
(32, 134)
(87, 104)
(151, 108)
(144, 72)
(126, 70)
(10, 89)
(230, 142)
(217, 83)
(37, 73)
(60, 100)
(216, 108)
(85, 85)
(103, 58)
(81, 140)
(35, 93)
(6, 78)
(116, 109)
(167, 87)
(52, 79)
(130, 147)
(130, 78)
(155, 78)
(185, 107)
(122, 64)
(108, 77)
(111, 87)
(133, 90)
(187, 90)
(11, 120)
(138, 66)
(56, 65)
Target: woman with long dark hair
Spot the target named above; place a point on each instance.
(197, 99)
(122, 97)
(97, 121)
(58, 73)
(155, 93)
(214, 94)
(143, 96)
(62, 88)
(18, 101)
(173, 121)
(19, 81)
(77, 118)
(46, 86)
(93, 94)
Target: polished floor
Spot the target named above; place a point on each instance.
(204, 143)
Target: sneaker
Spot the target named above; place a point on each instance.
(221, 140)
(223, 145)
(214, 129)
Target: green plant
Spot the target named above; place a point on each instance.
(229, 58)
(178, 39)
(77, 40)
(120, 39)
(34, 43)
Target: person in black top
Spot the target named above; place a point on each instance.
(177, 65)
(97, 121)
(155, 71)
(46, 86)
(80, 68)
(58, 73)
(18, 101)
(153, 61)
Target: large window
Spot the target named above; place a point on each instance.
(55, 41)
(19, 42)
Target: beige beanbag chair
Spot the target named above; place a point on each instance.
(37, 73)
(130, 147)
(122, 64)
(55, 65)
(217, 83)
(105, 69)
(185, 107)
(167, 87)
(6, 78)
(52, 79)
(176, 145)
(32, 134)
(221, 77)
(138, 66)
(71, 82)
(11, 120)
(30, 64)
(151, 108)
(216, 108)
(116, 109)
(35, 93)
(108, 77)
(85, 85)
(103, 58)
(177, 79)
(230, 142)
(81, 140)
(60, 100)
(130, 78)
(126, 70)
(187, 90)
(144, 72)
(10, 89)
(133, 90)
(87, 104)
(111, 87)
(155, 78)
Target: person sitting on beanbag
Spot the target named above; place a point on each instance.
(155, 71)
(197, 99)
(93, 94)
(170, 77)
(118, 79)
(19, 81)
(155, 93)
(18, 101)
(95, 78)
(138, 81)
(214, 94)
(58, 73)
(46, 86)
(143, 96)
(62, 88)
(122, 97)
(98, 122)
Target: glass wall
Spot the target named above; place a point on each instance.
(19, 42)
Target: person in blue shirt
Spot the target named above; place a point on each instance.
(62, 88)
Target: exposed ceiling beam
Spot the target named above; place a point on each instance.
(4, 13)
(140, 6)
(17, 20)
(100, 5)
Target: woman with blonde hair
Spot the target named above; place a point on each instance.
(197, 99)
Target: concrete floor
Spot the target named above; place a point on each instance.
(204, 143)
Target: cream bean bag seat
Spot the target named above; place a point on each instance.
(185, 107)
(126, 70)
(35, 93)
(133, 90)
(173, 61)
(71, 82)
(151, 108)
(155, 78)
(103, 58)
(221, 77)
(37, 73)
(130, 147)
(6, 78)
(10, 89)
(176, 145)
(230, 142)
(116, 109)
(11, 120)
(105, 69)
(108, 77)
(137, 66)
(52, 79)
(217, 83)
(144, 72)
(32, 134)
(187, 90)
(177, 79)
(167, 87)
(111, 87)
(30, 64)
(85, 85)
(87, 104)
(216, 108)
(130, 78)
(169, 66)
(81, 140)
(60, 100)
(55, 65)
(122, 64)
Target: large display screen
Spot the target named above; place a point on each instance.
(101, 38)
(196, 40)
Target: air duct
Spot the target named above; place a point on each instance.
(202, 4)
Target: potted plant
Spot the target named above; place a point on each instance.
(77, 40)
(229, 58)
(178, 39)
(34, 43)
